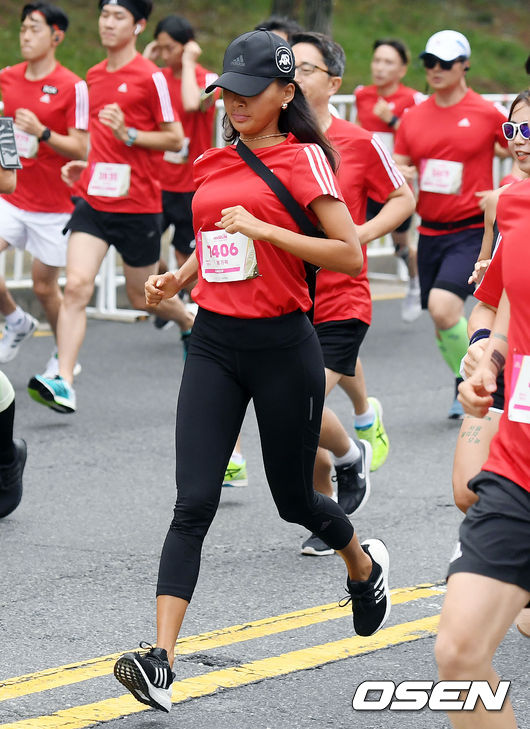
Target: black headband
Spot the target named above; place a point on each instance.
(137, 8)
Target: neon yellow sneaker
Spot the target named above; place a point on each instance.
(236, 474)
(376, 435)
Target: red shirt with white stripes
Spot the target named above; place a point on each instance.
(176, 168)
(60, 101)
(460, 139)
(365, 168)
(224, 180)
(366, 98)
(140, 90)
(510, 447)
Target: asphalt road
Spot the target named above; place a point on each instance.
(80, 554)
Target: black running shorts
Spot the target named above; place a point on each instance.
(177, 211)
(136, 236)
(447, 261)
(495, 534)
(340, 342)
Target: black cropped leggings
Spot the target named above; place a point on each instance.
(278, 364)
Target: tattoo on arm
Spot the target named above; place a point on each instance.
(500, 336)
(497, 360)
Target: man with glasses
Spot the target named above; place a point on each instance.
(343, 307)
(450, 139)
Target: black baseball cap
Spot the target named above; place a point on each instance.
(253, 61)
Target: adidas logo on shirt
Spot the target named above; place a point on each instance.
(45, 99)
(464, 122)
(123, 88)
(239, 61)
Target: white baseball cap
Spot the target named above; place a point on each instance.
(447, 45)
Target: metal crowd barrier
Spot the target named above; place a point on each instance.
(14, 264)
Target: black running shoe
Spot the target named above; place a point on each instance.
(353, 480)
(371, 599)
(160, 323)
(315, 547)
(11, 479)
(147, 676)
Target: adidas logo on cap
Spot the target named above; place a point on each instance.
(239, 61)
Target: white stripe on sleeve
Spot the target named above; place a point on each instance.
(318, 170)
(324, 166)
(163, 96)
(390, 166)
(81, 106)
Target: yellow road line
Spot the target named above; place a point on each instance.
(389, 297)
(102, 666)
(209, 683)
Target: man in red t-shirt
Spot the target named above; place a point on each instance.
(343, 307)
(176, 46)
(131, 118)
(50, 106)
(379, 109)
(450, 140)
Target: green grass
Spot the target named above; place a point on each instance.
(497, 31)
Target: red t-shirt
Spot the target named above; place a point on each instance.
(365, 168)
(366, 97)
(176, 168)
(462, 138)
(140, 89)
(511, 445)
(224, 180)
(60, 101)
(489, 291)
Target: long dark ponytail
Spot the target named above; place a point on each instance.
(299, 120)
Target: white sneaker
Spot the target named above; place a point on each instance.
(52, 367)
(13, 338)
(411, 306)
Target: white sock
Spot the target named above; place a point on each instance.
(414, 284)
(365, 420)
(16, 319)
(350, 457)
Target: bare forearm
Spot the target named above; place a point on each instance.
(333, 254)
(495, 353)
(68, 146)
(392, 214)
(190, 91)
(481, 317)
(160, 140)
(187, 273)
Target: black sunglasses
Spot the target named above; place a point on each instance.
(430, 61)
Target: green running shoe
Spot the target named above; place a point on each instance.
(236, 474)
(376, 435)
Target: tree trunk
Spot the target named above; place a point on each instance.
(317, 15)
(283, 8)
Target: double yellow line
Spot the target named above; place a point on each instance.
(212, 681)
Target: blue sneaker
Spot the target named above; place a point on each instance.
(55, 393)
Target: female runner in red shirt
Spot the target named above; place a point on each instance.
(252, 340)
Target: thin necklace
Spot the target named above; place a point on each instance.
(265, 136)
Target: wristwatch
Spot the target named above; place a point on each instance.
(393, 121)
(132, 133)
(45, 135)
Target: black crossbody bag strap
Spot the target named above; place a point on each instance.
(293, 208)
